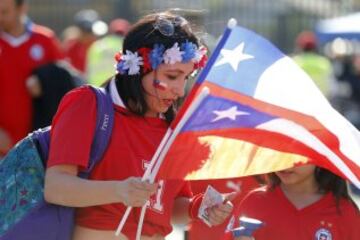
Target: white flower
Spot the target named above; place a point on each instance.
(199, 54)
(173, 54)
(132, 62)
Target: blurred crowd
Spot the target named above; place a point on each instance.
(335, 69)
(37, 68)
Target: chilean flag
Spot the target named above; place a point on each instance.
(262, 114)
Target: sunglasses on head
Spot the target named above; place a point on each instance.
(167, 26)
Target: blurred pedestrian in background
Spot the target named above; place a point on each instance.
(100, 54)
(88, 28)
(317, 66)
(24, 46)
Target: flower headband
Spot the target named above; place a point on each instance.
(150, 59)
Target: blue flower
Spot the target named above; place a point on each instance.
(189, 50)
(156, 55)
(120, 68)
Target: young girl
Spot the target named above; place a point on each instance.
(160, 52)
(304, 202)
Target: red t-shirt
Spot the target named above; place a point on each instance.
(133, 142)
(198, 229)
(76, 53)
(18, 58)
(320, 220)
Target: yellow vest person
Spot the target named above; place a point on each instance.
(100, 56)
(319, 68)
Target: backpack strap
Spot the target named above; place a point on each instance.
(104, 126)
(103, 130)
(42, 140)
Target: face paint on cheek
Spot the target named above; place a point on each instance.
(159, 85)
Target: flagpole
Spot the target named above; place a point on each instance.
(145, 177)
(141, 222)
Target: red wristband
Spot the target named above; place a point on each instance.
(194, 205)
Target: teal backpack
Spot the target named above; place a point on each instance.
(24, 214)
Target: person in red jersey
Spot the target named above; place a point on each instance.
(159, 53)
(303, 202)
(23, 47)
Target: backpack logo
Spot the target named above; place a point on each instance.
(105, 123)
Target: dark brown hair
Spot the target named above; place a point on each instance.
(144, 34)
(19, 2)
(327, 182)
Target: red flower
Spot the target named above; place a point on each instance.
(117, 56)
(144, 53)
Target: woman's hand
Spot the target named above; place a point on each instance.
(134, 192)
(219, 213)
(64, 187)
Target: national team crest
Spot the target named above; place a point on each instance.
(323, 234)
(36, 52)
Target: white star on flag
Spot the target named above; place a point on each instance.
(233, 57)
(230, 113)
